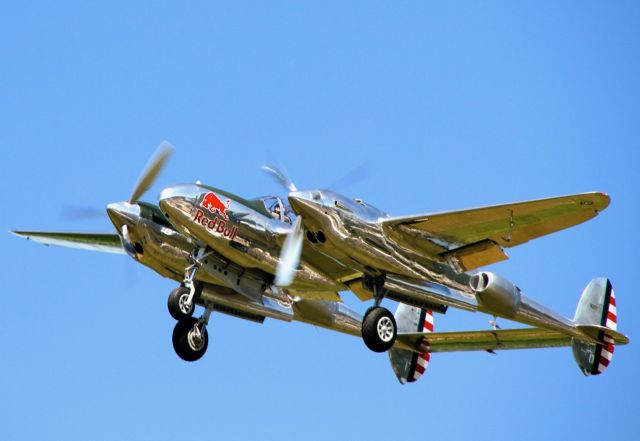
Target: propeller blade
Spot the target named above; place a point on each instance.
(290, 255)
(280, 177)
(77, 212)
(151, 171)
(354, 176)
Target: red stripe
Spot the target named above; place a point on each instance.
(420, 369)
(604, 361)
(611, 316)
(428, 326)
(612, 300)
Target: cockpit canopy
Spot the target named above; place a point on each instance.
(277, 208)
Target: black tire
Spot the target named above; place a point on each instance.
(183, 342)
(175, 303)
(379, 330)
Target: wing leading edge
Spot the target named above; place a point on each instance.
(473, 238)
(103, 242)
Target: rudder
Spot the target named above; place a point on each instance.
(597, 306)
(408, 365)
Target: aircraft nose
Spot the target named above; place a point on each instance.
(188, 191)
(122, 213)
(173, 200)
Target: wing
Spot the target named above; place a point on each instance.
(525, 338)
(107, 243)
(472, 238)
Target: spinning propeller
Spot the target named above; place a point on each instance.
(292, 247)
(124, 210)
(150, 173)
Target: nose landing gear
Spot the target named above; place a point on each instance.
(190, 338)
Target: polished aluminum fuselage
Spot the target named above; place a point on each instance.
(246, 241)
(166, 251)
(243, 234)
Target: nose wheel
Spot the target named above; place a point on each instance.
(179, 303)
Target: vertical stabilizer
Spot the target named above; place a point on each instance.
(597, 306)
(408, 365)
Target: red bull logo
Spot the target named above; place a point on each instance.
(213, 203)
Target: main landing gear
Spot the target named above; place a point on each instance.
(190, 337)
(379, 330)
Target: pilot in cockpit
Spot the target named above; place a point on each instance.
(276, 212)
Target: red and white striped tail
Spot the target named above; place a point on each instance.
(604, 352)
(612, 316)
(422, 359)
(410, 365)
(597, 306)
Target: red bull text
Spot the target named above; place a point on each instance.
(216, 225)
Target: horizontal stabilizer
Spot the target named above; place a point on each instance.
(488, 340)
(596, 332)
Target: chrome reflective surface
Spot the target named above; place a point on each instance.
(354, 236)
(123, 213)
(346, 240)
(166, 252)
(237, 232)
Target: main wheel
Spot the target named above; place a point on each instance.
(189, 343)
(177, 304)
(379, 329)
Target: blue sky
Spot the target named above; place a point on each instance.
(449, 106)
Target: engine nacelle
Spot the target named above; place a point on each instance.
(496, 295)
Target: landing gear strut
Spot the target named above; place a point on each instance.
(190, 338)
(181, 302)
(379, 328)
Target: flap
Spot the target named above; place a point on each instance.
(475, 255)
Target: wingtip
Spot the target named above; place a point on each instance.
(597, 199)
(605, 200)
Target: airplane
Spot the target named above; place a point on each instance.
(268, 257)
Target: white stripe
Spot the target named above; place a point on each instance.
(606, 354)
(611, 324)
(612, 309)
(607, 338)
(601, 367)
(429, 318)
(422, 362)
